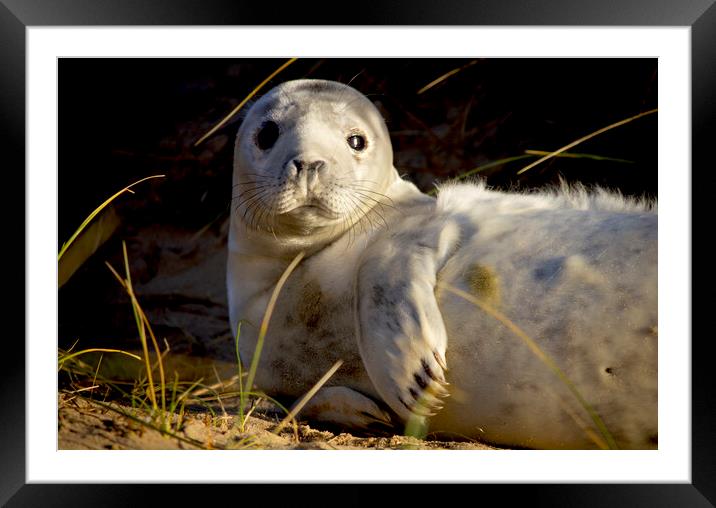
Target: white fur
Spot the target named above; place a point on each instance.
(578, 273)
(462, 196)
(574, 269)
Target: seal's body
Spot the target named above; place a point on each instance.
(420, 296)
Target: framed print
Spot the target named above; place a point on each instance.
(86, 83)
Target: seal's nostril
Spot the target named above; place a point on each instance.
(316, 165)
(312, 166)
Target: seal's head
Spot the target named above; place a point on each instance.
(311, 157)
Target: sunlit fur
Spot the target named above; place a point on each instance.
(269, 195)
(574, 268)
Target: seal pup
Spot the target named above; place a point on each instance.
(313, 173)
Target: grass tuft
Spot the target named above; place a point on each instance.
(161, 402)
(143, 327)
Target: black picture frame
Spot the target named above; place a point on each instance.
(700, 15)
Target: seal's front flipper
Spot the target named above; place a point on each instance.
(400, 330)
(345, 408)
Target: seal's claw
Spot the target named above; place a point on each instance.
(420, 390)
(428, 389)
(439, 391)
(440, 359)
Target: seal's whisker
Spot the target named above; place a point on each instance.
(261, 210)
(348, 222)
(248, 199)
(374, 210)
(392, 203)
(352, 226)
(270, 210)
(352, 185)
(255, 192)
(251, 182)
(365, 217)
(376, 201)
(342, 213)
(353, 219)
(366, 214)
(342, 178)
(360, 180)
(243, 193)
(249, 209)
(252, 202)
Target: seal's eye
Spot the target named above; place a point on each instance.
(267, 135)
(356, 142)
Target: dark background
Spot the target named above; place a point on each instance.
(123, 119)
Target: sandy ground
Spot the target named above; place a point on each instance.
(180, 285)
(85, 424)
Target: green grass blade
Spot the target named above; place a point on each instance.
(67, 357)
(101, 207)
(573, 155)
(585, 138)
(488, 165)
(267, 318)
(239, 366)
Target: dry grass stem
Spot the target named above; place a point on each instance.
(243, 102)
(585, 138)
(309, 394)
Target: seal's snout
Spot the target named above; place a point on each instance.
(305, 173)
